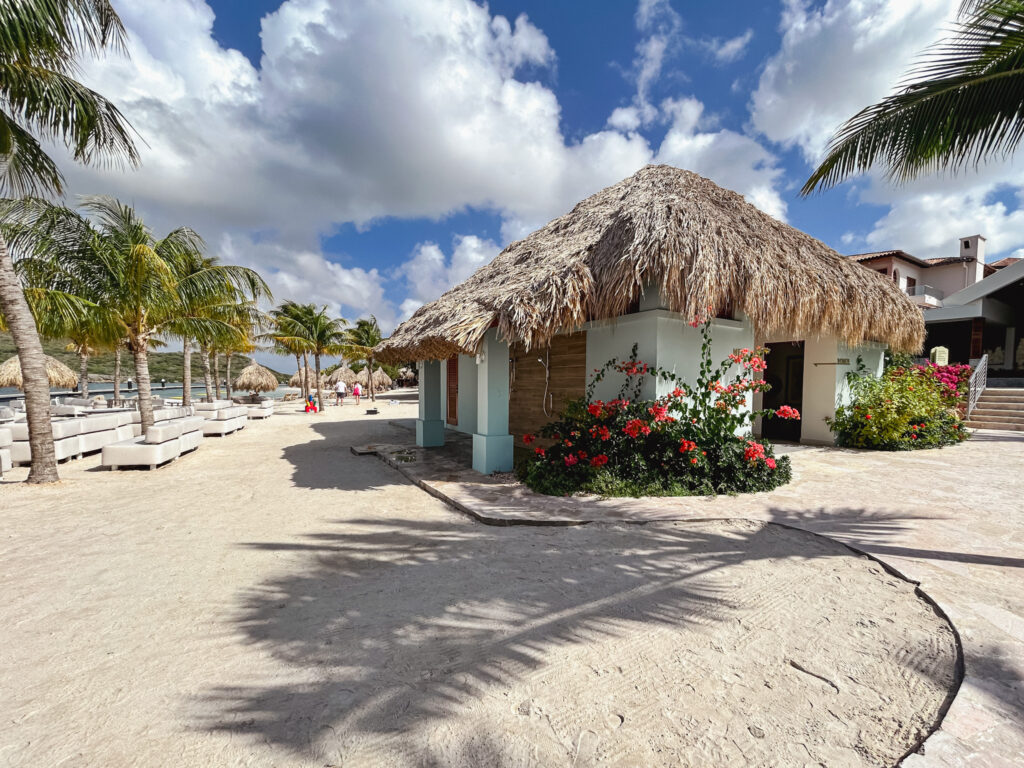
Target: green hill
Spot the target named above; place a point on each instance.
(162, 365)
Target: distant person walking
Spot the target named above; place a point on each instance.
(340, 390)
(357, 391)
(163, 383)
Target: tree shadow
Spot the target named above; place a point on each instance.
(409, 621)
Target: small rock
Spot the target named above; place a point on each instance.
(756, 732)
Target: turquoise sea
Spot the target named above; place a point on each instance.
(171, 389)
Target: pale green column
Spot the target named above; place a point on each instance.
(492, 443)
(430, 426)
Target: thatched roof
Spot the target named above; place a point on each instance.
(58, 373)
(342, 373)
(380, 379)
(296, 379)
(702, 246)
(255, 378)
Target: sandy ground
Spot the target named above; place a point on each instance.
(273, 600)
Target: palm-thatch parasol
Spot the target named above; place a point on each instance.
(380, 379)
(296, 380)
(255, 378)
(342, 373)
(406, 374)
(704, 247)
(58, 374)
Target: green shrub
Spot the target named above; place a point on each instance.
(905, 409)
(695, 440)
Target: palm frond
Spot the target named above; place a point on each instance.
(963, 104)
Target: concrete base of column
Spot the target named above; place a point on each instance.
(429, 433)
(492, 453)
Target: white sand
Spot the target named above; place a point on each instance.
(272, 600)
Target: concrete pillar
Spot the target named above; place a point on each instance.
(492, 443)
(430, 426)
(1010, 347)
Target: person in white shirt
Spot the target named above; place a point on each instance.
(339, 393)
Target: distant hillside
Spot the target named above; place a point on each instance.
(162, 365)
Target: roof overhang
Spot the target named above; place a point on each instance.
(1001, 279)
(991, 310)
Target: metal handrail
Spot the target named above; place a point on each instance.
(978, 382)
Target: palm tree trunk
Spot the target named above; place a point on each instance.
(319, 394)
(83, 373)
(117, 372)
(216, 373)
(307, 388)
(186, 372)
(140, 351)
(204, 356)
(298, 370)
(369, 378)
(227, 386)
(36, 383)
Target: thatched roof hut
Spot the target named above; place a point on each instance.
(342, 373)
(255, 378)
(380, 379)
(703, 247)
(296, 379)
(58, 373)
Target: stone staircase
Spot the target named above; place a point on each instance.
(999, 408)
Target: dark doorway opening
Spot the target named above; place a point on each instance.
(785, 374)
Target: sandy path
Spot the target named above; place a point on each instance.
(274, 600)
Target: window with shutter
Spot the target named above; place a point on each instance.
(453, 391)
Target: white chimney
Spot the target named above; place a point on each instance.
(973, 247)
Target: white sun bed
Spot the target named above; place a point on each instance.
(6, 438)
(162, 443)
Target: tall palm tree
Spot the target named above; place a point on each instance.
(285, 342)
(41, 42)
(963, 104)
(360, 343)
(312, 329)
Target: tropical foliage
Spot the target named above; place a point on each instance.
(963, 103)
(123, 284)
(693, 440)
(41, 44)
(305, 329)
(360, 342)
(907, 408)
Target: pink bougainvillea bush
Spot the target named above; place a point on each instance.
(693, 440)
(907, 408)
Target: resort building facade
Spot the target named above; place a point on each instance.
(642, 263)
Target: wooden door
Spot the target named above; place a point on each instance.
(453, 391)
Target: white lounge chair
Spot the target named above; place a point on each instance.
(6, 438)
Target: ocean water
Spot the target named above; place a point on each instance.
(172, 389)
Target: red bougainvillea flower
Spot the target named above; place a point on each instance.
(571, 459)
(770, 463)
(694, 323)
(686, 446)
(594, 409)
(582, 455)
(635, 427)
(599, 461)
(528, 439)
(693, 460)
(603, 432)
(539, 452)
(659, 412)
(867, 416)
(753, 451)
(568, 443)
(677, 392)
(788, 412)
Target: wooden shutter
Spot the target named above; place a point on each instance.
(453, 391)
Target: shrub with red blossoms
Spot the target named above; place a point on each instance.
(692, 440)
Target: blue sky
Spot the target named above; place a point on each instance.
(369, 155)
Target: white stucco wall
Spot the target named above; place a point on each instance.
(664, 339)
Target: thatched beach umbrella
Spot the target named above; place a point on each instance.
(256, 378)
(380, 379)
(296, 379)
(342, 373)
(703, 247)
(58, 373)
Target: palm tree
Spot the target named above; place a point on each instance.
(41, 42)
(964, 105)
(136, 275)
(360, 343)
(285, 342)
(313, 330)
